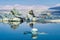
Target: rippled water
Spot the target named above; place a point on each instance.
(8, 33)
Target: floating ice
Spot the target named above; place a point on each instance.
(43, 33)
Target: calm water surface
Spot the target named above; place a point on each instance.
(8, 33)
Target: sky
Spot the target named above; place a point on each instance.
(29, 2)
(37, 5)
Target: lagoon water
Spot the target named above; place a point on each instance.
(8, 33)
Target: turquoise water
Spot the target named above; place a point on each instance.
(8, 33)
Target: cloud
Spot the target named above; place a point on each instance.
(55, 5)
(6, 7)
(18, 6)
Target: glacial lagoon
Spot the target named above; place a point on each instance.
(9, 33)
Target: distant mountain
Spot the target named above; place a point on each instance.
(55, 8)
